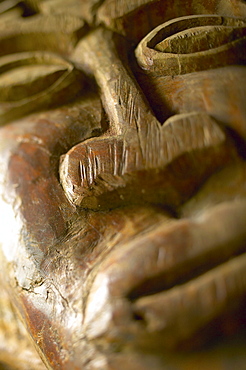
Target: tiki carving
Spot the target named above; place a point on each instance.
(122, 184)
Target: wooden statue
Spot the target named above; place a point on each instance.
(123, 184)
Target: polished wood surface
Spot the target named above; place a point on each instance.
(122, 184)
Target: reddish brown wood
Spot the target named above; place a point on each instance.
(123, 183)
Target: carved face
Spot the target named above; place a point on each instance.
(123, 177)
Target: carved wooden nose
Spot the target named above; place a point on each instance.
(136, 153)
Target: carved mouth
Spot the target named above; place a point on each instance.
(171, 282)
(167, 281)
(179, 312)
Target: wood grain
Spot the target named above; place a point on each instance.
(122, 184)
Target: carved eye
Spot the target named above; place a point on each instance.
(193, 43)
(31, 81)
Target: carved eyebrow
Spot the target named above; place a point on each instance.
(54, 32)
(134, 19)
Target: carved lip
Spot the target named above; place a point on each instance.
(172, 281)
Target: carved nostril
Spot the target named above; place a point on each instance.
(137, 316)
